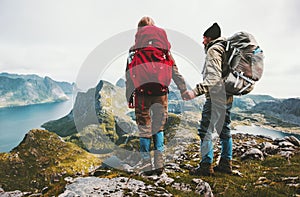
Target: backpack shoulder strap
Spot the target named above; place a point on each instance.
(225, 62)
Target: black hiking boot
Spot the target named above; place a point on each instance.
(146, 167)
(205, 169)
(224, 166)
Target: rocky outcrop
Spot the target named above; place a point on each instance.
(42, 159)
(37, 160)
(252, 149)
(179, 160)
(16, 193)
(119, 186)
(91, 107)
(124, 186)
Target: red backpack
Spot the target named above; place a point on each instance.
(149, 62)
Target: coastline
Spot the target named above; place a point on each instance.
(289, 130)
(263, 121)
(37, 103)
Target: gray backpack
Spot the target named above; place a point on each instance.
(242, 63)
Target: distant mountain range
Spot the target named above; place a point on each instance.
(105, 105)
(278, 112)
(20, 90)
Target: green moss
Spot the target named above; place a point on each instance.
(95, 139)
(171, 126)
(42, 159)
(248, 185)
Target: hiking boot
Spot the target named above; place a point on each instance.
(146, 167)
(158, 171)
(158, 162)
(205, 169)
(224, 166)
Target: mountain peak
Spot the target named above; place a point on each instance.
(37, 138)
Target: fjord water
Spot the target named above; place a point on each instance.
(15, 122)
(256, 130)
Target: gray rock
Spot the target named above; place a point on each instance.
(285, 144)
(237, 173)
(164, 180)
(203, 188)
(16, 193)
(35, 195)
(187, 166)
(115, 187)
(292, 179)
(291, 149)
(286, 154)
(294, 185)
(253, 153)
(173, 167)
(269, 148)
(127, 168)
(69, 179)
(293, 140)
(182, 187)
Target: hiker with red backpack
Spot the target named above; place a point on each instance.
(150, 69)
(231, 68)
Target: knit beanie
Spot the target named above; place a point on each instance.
(213, 32)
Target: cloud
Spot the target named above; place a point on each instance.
(54, 37)
(58, 62)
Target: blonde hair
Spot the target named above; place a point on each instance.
(146, 20)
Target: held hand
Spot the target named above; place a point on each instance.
(184, 95)
(188, 95)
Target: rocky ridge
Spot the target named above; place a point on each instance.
(41, 160)
(261, 166)
(20, 90)
(249, 150)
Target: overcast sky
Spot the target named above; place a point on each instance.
(55, 37)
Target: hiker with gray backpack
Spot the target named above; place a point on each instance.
(232, 66)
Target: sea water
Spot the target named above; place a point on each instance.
(256, 130)
(15, 122)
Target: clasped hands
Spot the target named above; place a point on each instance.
(188, 95)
